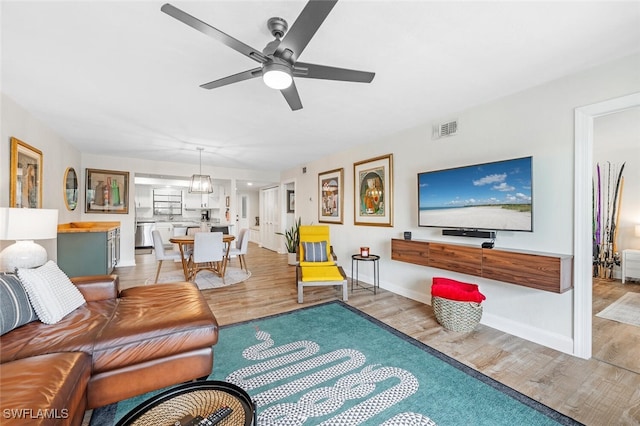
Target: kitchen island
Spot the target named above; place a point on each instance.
(88, 248)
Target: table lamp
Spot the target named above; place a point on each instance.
(24, 226)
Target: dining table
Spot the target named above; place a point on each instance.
(186, 240)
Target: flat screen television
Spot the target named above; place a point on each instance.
(493, 196)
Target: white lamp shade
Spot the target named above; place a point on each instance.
(28, 224)
(24, 226)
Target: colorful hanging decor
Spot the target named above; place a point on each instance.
(606, 218)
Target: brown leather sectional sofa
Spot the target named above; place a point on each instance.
(117, 345)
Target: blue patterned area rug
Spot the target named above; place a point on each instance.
(331, 364)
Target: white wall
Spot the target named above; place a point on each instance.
(537, 122)
(616, 140)
(57, 155)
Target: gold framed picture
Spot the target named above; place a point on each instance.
(107, 191)
(373, 192)
(330, 196)
(25, 181)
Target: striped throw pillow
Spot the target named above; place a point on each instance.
(15, 309)
(315, 252)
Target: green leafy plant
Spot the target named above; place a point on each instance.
(292, 237)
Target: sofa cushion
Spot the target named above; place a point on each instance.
(152, 322)
(51, 292)
(77, 331)
(54, 382)
(15, 309)
(315, 252)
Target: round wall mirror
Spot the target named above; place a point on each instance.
(70, 185)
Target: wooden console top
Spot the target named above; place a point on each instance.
(543, 271)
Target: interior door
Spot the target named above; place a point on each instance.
(243, 211)
(270, 218)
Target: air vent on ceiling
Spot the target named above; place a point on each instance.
(444, 129)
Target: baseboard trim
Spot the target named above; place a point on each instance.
(532, 334)
(542, 337)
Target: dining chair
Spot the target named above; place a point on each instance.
(240, 249)
(207, 254)
(188, 250)
(161, 254)
(223, 229)
(191, 230)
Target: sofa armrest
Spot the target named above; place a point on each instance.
(98, 287)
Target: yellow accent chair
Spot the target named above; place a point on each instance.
(317, 262)
(310, 234)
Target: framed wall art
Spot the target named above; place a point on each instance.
(330, 196)
(291, 201)
(107, 191)
(25, 180)
(373, 192)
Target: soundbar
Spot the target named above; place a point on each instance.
(469, 233)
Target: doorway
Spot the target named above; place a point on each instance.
(243, 213)
(270, 218)
(615, 142)
(583, 285)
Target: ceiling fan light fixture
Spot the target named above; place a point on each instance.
(201, 184)
(277, 76)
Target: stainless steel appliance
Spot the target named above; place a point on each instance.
(143, 234)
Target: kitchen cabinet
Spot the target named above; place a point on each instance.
(144, 196)
(197, 201)
(166, 231)
(254, 234)
(215, 200)
(193, 201)
(92, 248)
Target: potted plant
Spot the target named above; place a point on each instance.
(292, 241)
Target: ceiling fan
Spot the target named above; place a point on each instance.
(279, 59)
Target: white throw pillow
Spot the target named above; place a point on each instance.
(51, 292)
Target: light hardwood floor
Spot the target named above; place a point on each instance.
(614, 342)
(590, 391)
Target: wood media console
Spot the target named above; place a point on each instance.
(543, 271)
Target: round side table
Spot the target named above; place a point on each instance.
(184, 403)
(356, 259)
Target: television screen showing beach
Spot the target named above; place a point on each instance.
(492, 196)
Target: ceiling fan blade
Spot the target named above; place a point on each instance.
(207, 29)
(305, 70)
(305, 26)
(292, 97)
(241, 76)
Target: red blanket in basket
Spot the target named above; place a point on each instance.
(456, 290)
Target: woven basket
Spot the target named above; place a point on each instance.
(456, 316)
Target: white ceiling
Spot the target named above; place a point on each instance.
(122, 78)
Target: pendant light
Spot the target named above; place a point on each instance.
(201, 184)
